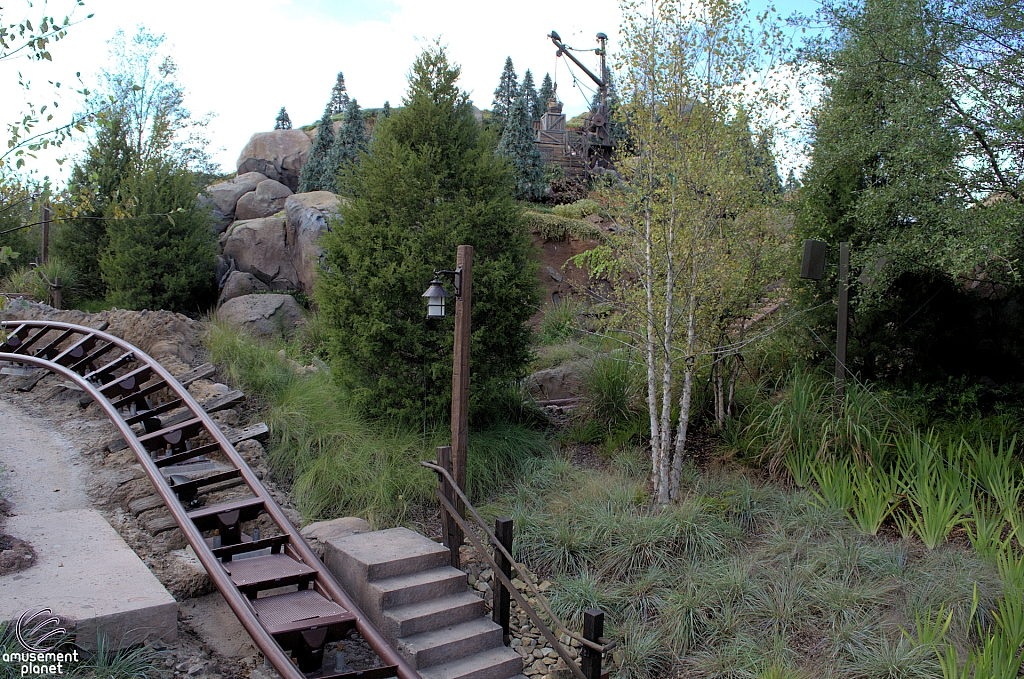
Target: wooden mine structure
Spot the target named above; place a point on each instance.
(578, 152)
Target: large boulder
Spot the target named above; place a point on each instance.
(268, 199)
(279, 155)
(224, 196)
(260, 247)
(562, 381)
(240, 283)
(306, 216)
(263, 315)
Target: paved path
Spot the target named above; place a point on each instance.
(84, 571)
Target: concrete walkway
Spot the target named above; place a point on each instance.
(84, 571)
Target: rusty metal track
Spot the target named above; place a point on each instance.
(290, 627)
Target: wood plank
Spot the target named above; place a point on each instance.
(29, 383)
(161, 524)
(145, 504)
(259, 432)
(197, 373)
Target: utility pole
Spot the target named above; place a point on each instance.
(844, 318)
(460, 371)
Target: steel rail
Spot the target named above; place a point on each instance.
(239, 604)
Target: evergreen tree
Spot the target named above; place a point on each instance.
(429, 183)
(318, 173)
(506, 92)
(547, 91)
(532, 99)
(792, 183)
(283, 121)
(385, 111)
(350, 141)
(518, 145)
(764, 161)
(339, 96)
(108, 161)
(160, 262)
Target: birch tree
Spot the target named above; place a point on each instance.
(689, 214)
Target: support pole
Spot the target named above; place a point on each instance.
(844, 318)
(45, 254)
(450, 533)
(56, 294)
(460, 372)
(593, 630)
(502, 598)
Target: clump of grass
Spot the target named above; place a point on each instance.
(561, 322)
(581, 209)
(612, 391)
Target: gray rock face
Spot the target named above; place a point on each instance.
(306, 221)
(268, 199)
(224, 196)
(240, 283)
(263, 315)
(260, 247)
(562, 381)
(279, 155)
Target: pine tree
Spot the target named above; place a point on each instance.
(792, 183)
(385, 111)
(547, 91)
(429, 183)
(283, 121)
(165, 261)
(350, 141)
(317, 174)
(532, 99)
(506, 93)
(519, 147)
(339, 96)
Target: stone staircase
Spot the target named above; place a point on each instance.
(403, 582)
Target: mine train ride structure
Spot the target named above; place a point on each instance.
(580, 152)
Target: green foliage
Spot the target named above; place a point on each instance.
(429, 183)
(350, 141)
(529, 92)
(581, 209)
(283, 121)
(339, 464)
(561, 321)
(613, 391)
(518, 146)
(162, 254)
(319, 173)
(506, 93)
(98, 178)
(547, 91)
(339, 96)
(555, 228)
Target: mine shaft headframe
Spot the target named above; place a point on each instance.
(597, 123)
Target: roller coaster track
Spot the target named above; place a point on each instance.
(167, 429)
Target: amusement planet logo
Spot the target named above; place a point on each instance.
(39, 638)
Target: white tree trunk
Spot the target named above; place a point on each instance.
(650, 354)
(685, 398)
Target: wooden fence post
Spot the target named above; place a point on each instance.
(502, 599)
(450, 532)
(593, 630)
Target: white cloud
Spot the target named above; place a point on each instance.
(244, 60)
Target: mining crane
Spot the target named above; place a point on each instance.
(596, 126)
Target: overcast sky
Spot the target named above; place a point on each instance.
(243, 61)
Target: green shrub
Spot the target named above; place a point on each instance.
(561, 321)
(35, 282)
(613, 391)
(554, 228)
(581, 209)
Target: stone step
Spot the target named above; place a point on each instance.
(496, 663)
(415, 587)
(450, 643)
(405, 621)
(381, 554)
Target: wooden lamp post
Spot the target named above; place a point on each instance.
(453, 458)
(812, 267)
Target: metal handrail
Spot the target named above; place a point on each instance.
(555, 643)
